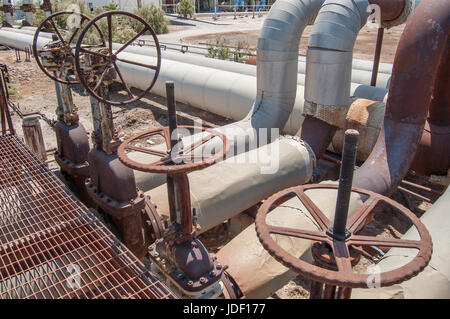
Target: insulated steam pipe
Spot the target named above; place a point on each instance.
(418, 69)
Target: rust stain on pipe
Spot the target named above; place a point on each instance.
(422, 51)
(390, 9)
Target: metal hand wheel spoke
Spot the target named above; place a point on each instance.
(152, 67)
(358, 217)
(100, 80)
(384, 242)
(62, 50)
(298, 233)
(194, 145)
(166, 135)
(145, 150)
(342, 256)
(130, 41)
(52, 22)
(162, 161)
(111, 59)
(178, 162)
(315, 212)
(83, 49)
(123, 81)
(364, 253)
(77, 29)
(110, 36)
(344, 252)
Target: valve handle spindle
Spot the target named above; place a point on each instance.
(339, 230)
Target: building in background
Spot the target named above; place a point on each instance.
(126, 5)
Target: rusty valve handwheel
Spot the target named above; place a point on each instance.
(60, 51)
(183, 161)
(344, 276)
(110, 56)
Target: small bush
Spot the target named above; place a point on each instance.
(241, 51)
(111, 6)
(186, 8)
(222, 50)
(219, 50)
(153, 16)
(12, 90)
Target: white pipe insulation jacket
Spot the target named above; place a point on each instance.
(434, 281)
(329, 58)
(255, 271)
(225, 189)
(361, 73)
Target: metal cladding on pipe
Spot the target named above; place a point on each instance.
(330, 52)
(421, 54)
(277, 65)
(434, 281)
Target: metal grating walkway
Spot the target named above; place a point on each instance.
(52, 246)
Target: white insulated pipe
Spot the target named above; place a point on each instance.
(330, 53)
(225, 189)
(434, 281)
(361, 73)
(220, 92)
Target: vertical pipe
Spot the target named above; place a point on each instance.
(28, 12)
(9, 14)
(376, 59)
(345, 184)
(97, 126)
(171, 108)
(172, 114)
(33, 137)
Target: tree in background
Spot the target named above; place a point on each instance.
(186, 8)
(153, 16)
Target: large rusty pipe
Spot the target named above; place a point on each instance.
(390, 9)
(418, 65)
(433, 156)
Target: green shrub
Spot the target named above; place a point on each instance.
(111, 6)
(186, 8)
(222, 50)
(219, 50)
(241, 51)
(153, 16)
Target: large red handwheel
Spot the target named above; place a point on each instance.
(110, 56)
(59, 54)
(340, 255)
(183, 160)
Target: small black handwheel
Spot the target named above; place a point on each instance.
(58, 54)
(93, 76)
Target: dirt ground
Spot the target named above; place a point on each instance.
(364, 46)
(36, 93)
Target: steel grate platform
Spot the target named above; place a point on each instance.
(52, 246)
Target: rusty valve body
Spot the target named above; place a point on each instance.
(179, 255)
